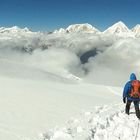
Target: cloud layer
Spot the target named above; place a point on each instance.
(114, 57)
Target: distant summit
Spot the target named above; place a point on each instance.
(82, 28)
(78, 28)
(117, 28)
(16, 32)
(14, 29)
(136, 30)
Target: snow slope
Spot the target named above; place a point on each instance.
(103, 123)
(32, 102)
(50, 110)
(30, 107)
(106, 122)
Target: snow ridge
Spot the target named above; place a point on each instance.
(102, 124)
(119, 29)
(14, 29)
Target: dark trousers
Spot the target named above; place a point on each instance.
(136, 105)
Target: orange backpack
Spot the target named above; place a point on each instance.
(135, 89)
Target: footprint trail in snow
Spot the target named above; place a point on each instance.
(104, 123)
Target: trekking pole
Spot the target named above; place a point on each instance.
(137, 131)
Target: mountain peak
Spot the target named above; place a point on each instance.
(120, 23)
(14, 29)
(136, 30)
(137, 27)
(117, 28)
(82, 28)
(74, 28)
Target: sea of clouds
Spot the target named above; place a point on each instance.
(98, 58)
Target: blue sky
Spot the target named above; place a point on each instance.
(47, 15)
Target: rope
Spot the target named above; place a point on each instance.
(137, 131)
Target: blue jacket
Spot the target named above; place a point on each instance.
(127, 88)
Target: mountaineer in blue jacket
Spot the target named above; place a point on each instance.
(128, 89)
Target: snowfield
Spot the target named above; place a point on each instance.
(67, 84)
(29, 108)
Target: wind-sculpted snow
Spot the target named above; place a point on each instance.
(104, 123)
